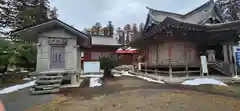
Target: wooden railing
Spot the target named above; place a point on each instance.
(221, 66)
(166, 62)
(218, 63)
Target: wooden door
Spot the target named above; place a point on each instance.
(57, 57)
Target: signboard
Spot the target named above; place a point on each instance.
(91, 66)
(204, 64)
(236, 52)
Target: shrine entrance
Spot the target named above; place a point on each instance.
(57, 57)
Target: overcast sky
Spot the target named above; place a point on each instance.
(85, 13)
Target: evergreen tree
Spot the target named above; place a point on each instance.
(29, 12)
(141, 28)
(230, 9)
(134, 28)
(24, 13)
(118, 30)
(127, 29)
(97, 28)
(105, 31)
(85, 30)
(26, 57)
(120, 35)
(110, 28)
(7, 52)
(53, 13)
(5, 17)
(19, 14)
(134, 31)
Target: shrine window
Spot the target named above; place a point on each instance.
(169, 33)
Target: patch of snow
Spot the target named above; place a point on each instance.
(236, 77)
(204, 81)
(17, 87)
(52, 71)
(125, 73)
(150, 80)
(23, 71)
(27, 79)
(95, 82)
(142, 77)
(93, 76)
(99, 76)
(117, 75)
(11, 69)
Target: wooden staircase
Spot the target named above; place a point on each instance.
(224, 68)
(47, 83)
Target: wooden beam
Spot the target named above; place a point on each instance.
(157, 53)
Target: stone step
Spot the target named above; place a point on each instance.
(48, 81)
(220, 69)
(49, 77)
(50, 74)
(34, 92)
(47, 86)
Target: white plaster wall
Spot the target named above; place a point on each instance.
(43, 55)
(71, 52)
(78, 59)
(58, 33)
(71, 55)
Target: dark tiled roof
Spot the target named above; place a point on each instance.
(51, 20)
(197, 16)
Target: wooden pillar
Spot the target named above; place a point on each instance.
(146, 68)
(170, 69)
(231, 60)
(225, 53)
(170, 60)
(210, 55)
(156, 72)
(157, 54)
(230, 49)
(186, 57)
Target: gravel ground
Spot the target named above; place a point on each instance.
(130, 94)
(22, 100)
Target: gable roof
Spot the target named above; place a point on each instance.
(197, 16)
(212, 33)
(107, 41)
(45, 26)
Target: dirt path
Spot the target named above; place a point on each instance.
(130, 94)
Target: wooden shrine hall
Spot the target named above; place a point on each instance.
(173, 43)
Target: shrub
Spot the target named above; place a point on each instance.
(107, 63)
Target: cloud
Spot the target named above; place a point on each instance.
(85, 13)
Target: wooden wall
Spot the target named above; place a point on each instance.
(95, 52)
(179, 52)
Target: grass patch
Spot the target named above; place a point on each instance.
(52, 106)
(11, 82)
(12, 78)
